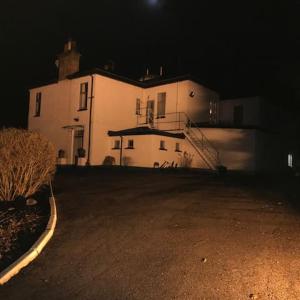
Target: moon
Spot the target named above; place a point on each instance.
(153, 2)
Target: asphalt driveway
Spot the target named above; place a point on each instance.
(165, 235)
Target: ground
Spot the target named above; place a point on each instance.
(166, 235)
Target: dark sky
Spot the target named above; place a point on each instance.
(238, 48)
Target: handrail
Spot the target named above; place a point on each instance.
(183, 122)
(204, 139)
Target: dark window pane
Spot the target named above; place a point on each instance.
(238, 115)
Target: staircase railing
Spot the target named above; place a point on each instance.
(180, 121)
(202, 144)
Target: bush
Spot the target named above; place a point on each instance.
(27, 162)
(186, 160)
(109, 161)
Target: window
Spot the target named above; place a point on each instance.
(177, 147)
(238, 115)
(162, 145)
(138, 106)
(38, 103)
(130, 144)
(161, 105)
(117, 144)
(213, 111)
(83, 96)
(290, 160)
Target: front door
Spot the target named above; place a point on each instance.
(150, 113)
(78, 143)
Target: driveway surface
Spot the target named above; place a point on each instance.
(165, 235)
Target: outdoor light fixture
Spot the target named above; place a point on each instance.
(76, 119)
(192, 94)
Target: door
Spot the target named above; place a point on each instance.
(150, 113)
(238, 115)
(78, 143)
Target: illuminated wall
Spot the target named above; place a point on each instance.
(251, 110)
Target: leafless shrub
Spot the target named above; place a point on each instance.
(27, 162)
(186, 160)
(109, 161)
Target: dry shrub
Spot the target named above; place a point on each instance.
(27, 162)
(109, 161)
(186, 160)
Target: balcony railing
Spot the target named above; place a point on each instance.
(180, 121)
(167, 122)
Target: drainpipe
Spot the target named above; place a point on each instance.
(90, 120)
(121, 150)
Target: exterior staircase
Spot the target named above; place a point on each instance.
(202, 145)
(181, 122)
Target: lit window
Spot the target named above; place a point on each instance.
(162, 145)
(290, 160)
(138, 106)
(38, 103)
(177, 147)
(130, 144)
(161, 105)
(117, 144)
(83, 96)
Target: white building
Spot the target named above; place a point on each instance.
(151, 123)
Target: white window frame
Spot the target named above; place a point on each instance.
(83, 98)
(161, 105)
(130, 144)
(38, 104)
(162, 145)
(138, 106)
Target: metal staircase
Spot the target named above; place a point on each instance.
(202, 145)
(181, 122)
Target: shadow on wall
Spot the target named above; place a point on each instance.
(246, 149)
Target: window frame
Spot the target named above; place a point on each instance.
(130, 144)
(162, 145)
(38, 104)
(117, 145)
(177, 149)
(138, 106)
(83, 96)
(161, 102)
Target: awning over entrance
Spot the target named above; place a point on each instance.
(145, 131)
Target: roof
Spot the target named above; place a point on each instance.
(145, 131)
(142, 84)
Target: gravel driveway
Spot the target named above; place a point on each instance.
(140, 234)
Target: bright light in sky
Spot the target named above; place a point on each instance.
(153, 2)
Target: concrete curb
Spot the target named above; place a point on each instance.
(36, 248)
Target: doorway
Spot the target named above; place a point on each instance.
(150, 113)
(78, 143)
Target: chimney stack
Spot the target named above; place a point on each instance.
(161, 71)
(68, 61)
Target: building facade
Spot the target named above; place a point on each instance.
(160, 122)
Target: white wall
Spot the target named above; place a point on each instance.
(251, 110)
(236, 147)
(114, 105)
(59, 108)
(146, 150)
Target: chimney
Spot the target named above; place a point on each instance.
(161, 71)
(68, 61)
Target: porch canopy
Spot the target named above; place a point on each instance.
(145, 131)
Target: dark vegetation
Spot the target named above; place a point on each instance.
(20, 226)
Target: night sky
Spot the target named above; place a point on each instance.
(238, 48)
